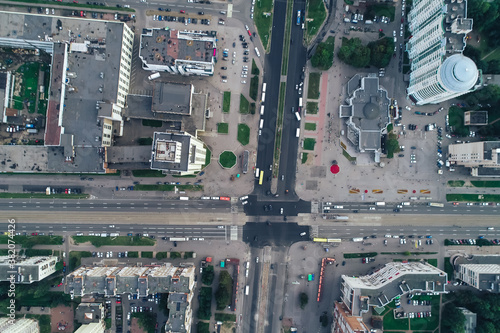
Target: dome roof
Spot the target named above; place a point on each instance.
(371, 110)
(458, 73)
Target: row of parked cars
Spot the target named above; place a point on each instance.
(473, 241)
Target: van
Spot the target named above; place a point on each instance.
(261, 125)
(257, 52)
(338, 207)
(297, 115)
(297, 133)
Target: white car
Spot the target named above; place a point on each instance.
(220, 227)
(112, 226)
(302, 234)
(244, 82)
(243, 75)
(394, 33)
(401, 33)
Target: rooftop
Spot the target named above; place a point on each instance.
(172, 98)
(170, 151)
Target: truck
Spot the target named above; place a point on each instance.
(380, 203)
(341, 217)
(47, 190)
(357, 239)
(154, 76)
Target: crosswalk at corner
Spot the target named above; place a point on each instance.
(314, 230)
(233, 233)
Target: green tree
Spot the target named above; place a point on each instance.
(304, 299)
(205, 304)
(487, 95)
(323, 319)
(381, 52)
(475, 55)
(493, 66)
(207, 277)
(323, 57)
(224, 291)
(41, 291)
(354, 53)
(391, 145)
(453, 319)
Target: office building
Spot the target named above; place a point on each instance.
(475, 118)
(26, 271)
(481, 276)
(483, 158)
(86, 313)
(92, 328)
(345, 322)
(359, 293)
(178, 52)
(22, 325)
(439, 70)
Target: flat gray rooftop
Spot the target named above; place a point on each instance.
(172, 98)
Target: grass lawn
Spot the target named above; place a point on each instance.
(429, 323)
(263, 19)
(30, 241)
(349, 157)
(310, 126)
(28, 87)
(225, 317)
(312, 108)
(254, 87)
(75, 258)
(317, 12)
(448, 268)
(243, 105)
(166, 188)
(391, 323)
(120, 240)
(255, 69)
(146, 254)
(457, 121)
(226, 104)
(152, 123)
(309, 143)
(202, 327)
(456, 183)
(473, 197)
(313, 87)
(433, 262)
(223, 128)
(243, 134)
(227, 159)
(359, 255)
(208, 157)
(304, 157)
(485, 183)
(147, 173)
(287, 40)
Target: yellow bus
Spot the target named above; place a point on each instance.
(261, 178)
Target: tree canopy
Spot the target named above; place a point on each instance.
(381, 52)
(225, 290)
(453, 319)
(323, 57)
(354, 53)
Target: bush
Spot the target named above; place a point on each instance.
(254, 87)
(75, 258)
(175, 255)
(147, 173)
(188, 255)
(133, 254)
(145, 141)
(98, 241)
(252, 108)
(146, 320)
(381, 52)
(161, 255)
(207, 277)
(224, 291)
(34, 253)
(255, 69)
(202, 327)
(304, 299)
(146, 254)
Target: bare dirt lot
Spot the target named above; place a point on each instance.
(62, 315)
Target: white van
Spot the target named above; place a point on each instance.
(297, 133)
(261, 125)
(338, 207)
(297, 115)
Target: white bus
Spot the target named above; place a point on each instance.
(300, 102)
(262, 110)
(263, 97)
(436, 204)
(247, 290)
(297, 115)
(261, 123)
(264, 87)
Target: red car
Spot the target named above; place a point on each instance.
(74, 1)
(66, 191)
(118, 302)
(183, 11)
(60, 284)
(64, 263)
(82, 13)
(34, 234)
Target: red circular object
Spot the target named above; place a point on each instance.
(334, 169)
(414, 191)
(366, 191)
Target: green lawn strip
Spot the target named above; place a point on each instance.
(188, 255)
(146, 254)
(310, 126)
(456, 183)
(448, 268)
(202, 327)
(312, 108)
(349, 157)
(175, 255)
(108, 323)
(286, 42)
(226, 103)
(152, 123)
(407, 253)
(30, 241)
(133, 254)
(473, 197)
(166, 188)
(208, 157)
(230, 317)
(279, 124)
(432, 261)
(37, 252)
(222, 128)
(243, 104)
(254, 87)
(255, 68)
(43, 196)
(359, 255)
(184, 176)
(263, 20)
(485, 183)
(317, 12)
(43, 322)
(243, 134)
(309, 143)
(75, 258)
(313, 87)
(227, 159)
(59, 174)
(456, 120)
(98, 241)
(147, 173)
(304, 157)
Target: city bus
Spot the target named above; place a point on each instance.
(262, 110)
(436, 204)
(261, 178)
(298, 17)
(264, 87)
